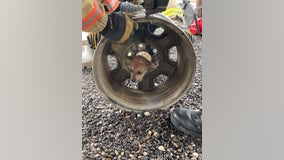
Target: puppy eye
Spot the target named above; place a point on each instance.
(138, 72)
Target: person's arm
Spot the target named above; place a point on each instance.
(115, 26)
(129, 7)
(94, 17)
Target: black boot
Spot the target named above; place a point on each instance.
(188, 121)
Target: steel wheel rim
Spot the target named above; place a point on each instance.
(180, 73)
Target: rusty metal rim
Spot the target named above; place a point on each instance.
(161, 97)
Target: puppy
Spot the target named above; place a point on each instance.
(139, 65)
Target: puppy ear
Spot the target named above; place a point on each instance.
(151, 65)
(128, 60)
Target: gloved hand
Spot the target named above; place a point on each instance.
(129, 7)
(119, 27)
(94, 39)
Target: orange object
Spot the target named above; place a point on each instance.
(111, 5)
(93, 16)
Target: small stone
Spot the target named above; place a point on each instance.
(122, 153)
(138, 115)
(127, 116)
(190, 147)
(96, 150)
(145, 153)
(109, 104)
(147, 113)
(174, 144)
(155, 134)
(118, 112)
(194, 155)
(131, 155)
(116, 152)
(172, 135)
(99, 107)
(148, 137)
(161, 148)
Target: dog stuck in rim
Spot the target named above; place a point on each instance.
(139, 65)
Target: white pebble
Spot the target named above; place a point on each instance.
(161, 148)
(155, 134)
(190, 147)
(194, 155)
(138, 115)
(147, 113)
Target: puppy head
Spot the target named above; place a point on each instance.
(138, 67)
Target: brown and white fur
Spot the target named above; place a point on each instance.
(139, 65)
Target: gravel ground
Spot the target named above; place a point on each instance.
(110, 133)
